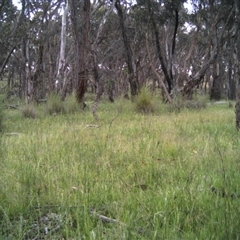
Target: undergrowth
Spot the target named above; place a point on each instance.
(28, 111)
(54, 104)
(144, 102)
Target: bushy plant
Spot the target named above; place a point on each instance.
(54, 104)
(71, 105)
(144, 102)
(28, 111)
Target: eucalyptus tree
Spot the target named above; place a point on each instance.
(62, 64)
(134, 85)
(116, 57)
(80, 22)
(231, 73)
(106, 48)
(220, 66)
(213, 20)
(10, 20)
(163, 21)
(41, 16)
(33, 40)
(187, 56)
(95, 60)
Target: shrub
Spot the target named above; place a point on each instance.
(71, 105)
(28, 111)
(54, 104)
(144, 102)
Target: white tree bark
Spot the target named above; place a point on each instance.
(62, 61)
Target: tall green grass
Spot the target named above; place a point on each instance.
(1, 114)
(1, 127)
(166, 175)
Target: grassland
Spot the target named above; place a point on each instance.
(168, 175)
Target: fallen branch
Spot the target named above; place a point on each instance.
(106, 219)
(12, 134)
(93, 126)
(41, 100)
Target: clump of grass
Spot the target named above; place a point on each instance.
(177, 104)
(123, 106)
(71, 105)
(180, 103)
(28, 111)
(89, 97)
(144, 102)
(54, 104)
(195, 104)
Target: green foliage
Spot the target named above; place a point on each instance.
(144, 102)
(58, 174)
(29, 111)
(54, 104)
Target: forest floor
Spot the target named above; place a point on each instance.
(165, 175)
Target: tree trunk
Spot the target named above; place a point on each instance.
(62, 69)
(6, 60)
(84, 46)
(172, 53)
(38, 91)
(80, 14)
(231, 83)
(158, 46)
(99, 91)
(215, 93)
